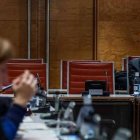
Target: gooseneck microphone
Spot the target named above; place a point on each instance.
(38, 81)
(107, 81)
(68, 112)
(40, 91)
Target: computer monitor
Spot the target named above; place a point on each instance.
(97, 87)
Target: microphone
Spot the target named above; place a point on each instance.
(40, 97)
(106, 74)
(107, 81)
(40, 91)
(68, 114)
(38, 81)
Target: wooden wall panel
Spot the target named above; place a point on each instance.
(38, 29)
(71, 30)
(13, 25)
(13, 19)
(16, 33)
(71, 33)
(13, 10)
(118, 29)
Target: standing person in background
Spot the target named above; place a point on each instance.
(24, 87)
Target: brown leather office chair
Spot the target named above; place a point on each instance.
(64, 67)
(81, 72)
(15, 69)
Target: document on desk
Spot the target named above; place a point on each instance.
(39, 135)
(32, 126)
(27, 119)
(30, 130)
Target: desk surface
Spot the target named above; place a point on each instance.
(35, 130)
(96, 98)
(78, 97)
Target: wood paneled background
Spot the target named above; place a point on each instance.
(13, 25)
(118, 29)
(71, 33)
(38, 28)
(72, 30)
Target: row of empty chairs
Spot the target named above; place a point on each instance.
(73, 73)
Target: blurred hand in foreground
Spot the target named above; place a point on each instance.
(24, 87)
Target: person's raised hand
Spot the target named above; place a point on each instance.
(24, 87)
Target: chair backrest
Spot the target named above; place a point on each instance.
(63, 70)
(20, 60)
(126, 60)
(15, 69)
(63, 74)
(124, 64)
(129, 59)
(81, 72)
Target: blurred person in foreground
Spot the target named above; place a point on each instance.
(24, 88)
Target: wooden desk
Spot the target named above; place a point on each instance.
(119, 108)
(123, 109)
(34, 128)
(137, 114)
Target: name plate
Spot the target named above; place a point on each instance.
(96, 92)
